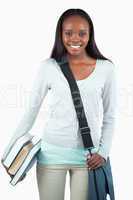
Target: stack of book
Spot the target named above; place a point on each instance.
(21, 157)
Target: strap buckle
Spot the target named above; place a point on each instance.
(85, 130)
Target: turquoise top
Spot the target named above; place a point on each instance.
(52, 154)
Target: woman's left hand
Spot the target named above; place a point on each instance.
(95, 160)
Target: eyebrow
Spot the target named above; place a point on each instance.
(71, 29)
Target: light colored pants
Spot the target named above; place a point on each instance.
(51, 181)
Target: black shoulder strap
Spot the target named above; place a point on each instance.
(83, 124)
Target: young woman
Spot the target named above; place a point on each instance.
(62, 147)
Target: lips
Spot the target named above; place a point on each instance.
(77, 46)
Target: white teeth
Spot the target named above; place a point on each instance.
(76, 46)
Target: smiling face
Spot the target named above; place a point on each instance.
(75, 35)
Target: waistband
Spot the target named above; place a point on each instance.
(62, 166)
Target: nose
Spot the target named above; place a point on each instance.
(75, 37)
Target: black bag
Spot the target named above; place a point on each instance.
(100, 179)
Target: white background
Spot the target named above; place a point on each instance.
(27, 31)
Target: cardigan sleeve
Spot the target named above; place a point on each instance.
(109, 97)
(37, 93)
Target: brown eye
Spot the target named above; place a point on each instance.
(68, 33)
(82, 34)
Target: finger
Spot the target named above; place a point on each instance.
(93, 160)
(94, 155)
(94, 166)
(93, 163)
(98, 165)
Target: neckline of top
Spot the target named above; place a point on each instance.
(90, 75)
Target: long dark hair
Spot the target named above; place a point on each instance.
(59, 51)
